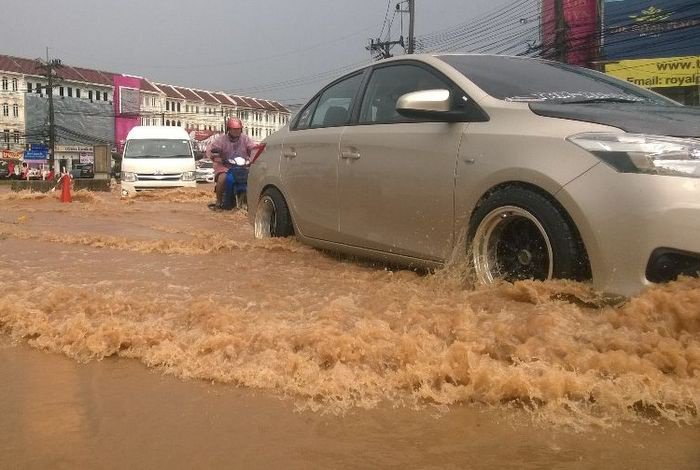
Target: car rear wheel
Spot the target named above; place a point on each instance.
(272, 217)
(517, 234)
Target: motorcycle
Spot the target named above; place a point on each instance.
(235, 190)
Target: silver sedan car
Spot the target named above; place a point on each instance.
(533, 169)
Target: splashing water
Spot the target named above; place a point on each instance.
(195, 295)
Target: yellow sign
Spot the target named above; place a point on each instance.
(658, 73)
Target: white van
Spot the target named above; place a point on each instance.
(157, 157)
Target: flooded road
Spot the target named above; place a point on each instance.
(264, 354)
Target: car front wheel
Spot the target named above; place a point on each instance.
(518, 234)
(272, 217)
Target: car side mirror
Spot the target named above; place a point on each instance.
(437, 105)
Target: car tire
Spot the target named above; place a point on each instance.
(517, 233)
(272, 218)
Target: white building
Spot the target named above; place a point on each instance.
(159, 104)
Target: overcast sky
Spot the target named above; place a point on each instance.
(275, 49)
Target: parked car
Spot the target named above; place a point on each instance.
(536, 169)
(34, 173)
(4, 170)
(86, 170)
(205, 171)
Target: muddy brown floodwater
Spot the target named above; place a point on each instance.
(153, 333)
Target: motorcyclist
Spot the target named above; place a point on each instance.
(223, 151)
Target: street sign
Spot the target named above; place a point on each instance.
(39, 147)
(42, 154)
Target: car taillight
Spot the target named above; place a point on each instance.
(260, 150)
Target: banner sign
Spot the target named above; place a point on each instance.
(9, 154)
(658, 73)
(635, 29)
(73, 148)
(87, 157)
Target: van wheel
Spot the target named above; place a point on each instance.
(272, 217)
(519, 234)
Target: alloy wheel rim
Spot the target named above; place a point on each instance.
(265, 218)
(511, 244)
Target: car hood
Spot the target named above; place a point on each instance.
(676, 121)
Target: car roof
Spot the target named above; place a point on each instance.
(157, 132)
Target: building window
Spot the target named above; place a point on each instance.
(4, 83)
(178, 109)
(167, 123)
(90, 95)
(70, 91)
(77, 92)
(178, 124)
(38, 87)
(15, 136)
(5, 109)
(60, 90)
(14, 84)
(104, 96)
(15, 110)
(29, 87)
(153, 101)
(6, 135)
(167, 105)
(97, 96)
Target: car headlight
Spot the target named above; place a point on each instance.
(188, 176)
(641, 153)
(128, 176)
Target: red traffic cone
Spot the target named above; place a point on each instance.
(65, 188)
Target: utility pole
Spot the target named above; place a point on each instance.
(49, 67)
(411, 23)
(382, 49)
(560, 33)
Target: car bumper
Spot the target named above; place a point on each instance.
(132, 187)
(636, 228)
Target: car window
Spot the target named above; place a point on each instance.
(387, 84)
(522, 79)
(304, 118)
(335, 103)
(157, 148)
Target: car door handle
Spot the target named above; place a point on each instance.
(349, 154)
(289, 154)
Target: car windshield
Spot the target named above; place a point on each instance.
(157, 148)
(523, 79)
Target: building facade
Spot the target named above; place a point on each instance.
(96, 107)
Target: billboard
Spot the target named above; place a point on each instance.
(569, 30)
(126, 107)
(635, 29)
(658, 73)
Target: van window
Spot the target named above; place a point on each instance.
(157, 148)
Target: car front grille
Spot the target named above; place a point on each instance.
(161, 177)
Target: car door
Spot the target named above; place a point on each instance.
(310, 159)
(396, 175)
